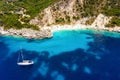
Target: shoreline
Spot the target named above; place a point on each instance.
(47, 32)
(55, 28)
(27, 33)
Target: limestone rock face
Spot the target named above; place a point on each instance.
(28, 33)
(67, 14)
(61, 12)
(101, 21)
(71, 12)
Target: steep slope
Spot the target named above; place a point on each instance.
(49, 15)
(17, 13)
(71, 11)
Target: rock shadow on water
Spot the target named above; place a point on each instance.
(4, 50)
(106, 49)
(73, 65)
(9, 70)
(66, 66)
(70, 64)
(77, 65)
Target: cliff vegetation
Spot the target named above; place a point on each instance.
(17, 13)
(38, 13)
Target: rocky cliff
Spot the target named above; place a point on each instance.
(85, 12)
(59, 14)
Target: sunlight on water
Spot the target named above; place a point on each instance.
(105, 33)
(60, 77)
(74, 67)
(43, 69)
(56, 76)
(65, 65)
(87, 70)
(61, 42)
(68, 55)
(98, 57)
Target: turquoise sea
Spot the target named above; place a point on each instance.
(68, 55)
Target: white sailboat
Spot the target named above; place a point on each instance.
(24, 62)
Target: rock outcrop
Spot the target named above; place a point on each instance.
(66, 14)
(28, 33)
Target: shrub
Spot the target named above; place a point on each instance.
(90, 21)
(68, 19)
(76, 18)
(115, 21)
(60, 21)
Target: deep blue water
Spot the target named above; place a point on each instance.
(68, 55)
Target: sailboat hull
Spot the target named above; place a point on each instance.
(25, 63)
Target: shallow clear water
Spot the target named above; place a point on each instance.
(68, 55)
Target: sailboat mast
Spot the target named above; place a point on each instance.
(23, 62)
(21, 54)
(18, 57)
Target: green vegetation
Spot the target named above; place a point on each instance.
(90, 21)
(76, 18)
(11, 21)
(91, 8)
(60, 21)
(31, 26)
(68, 19)
(8, 9)
(94, 7)
(33, 7)
(63, 21)
(112, 8)
(107, 7)
(115, 21)
(25, 19)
